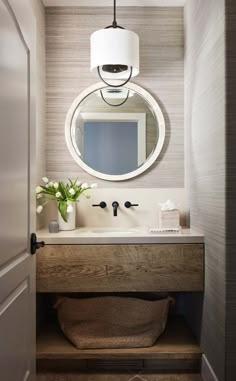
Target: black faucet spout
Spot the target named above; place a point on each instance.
(115, 206)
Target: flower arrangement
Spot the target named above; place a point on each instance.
(65, 194)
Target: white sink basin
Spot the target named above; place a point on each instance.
(113, 230)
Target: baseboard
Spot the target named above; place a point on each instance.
(207, 372)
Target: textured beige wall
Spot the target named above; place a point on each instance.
(39, 12)
(205, 161)
(67, 66)
(40, 84)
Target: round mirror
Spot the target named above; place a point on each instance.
(115, 134)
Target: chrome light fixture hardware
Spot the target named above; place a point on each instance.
(114, 105)
(115, 53)
(115, 71)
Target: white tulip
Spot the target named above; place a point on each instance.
(94, 185)
(58, 194)
(56, 185)
(51, 184)
(39, 209)
(78, 183)
(39, 189)
(69, 209)
(39, 196)
(45, 180)
(72, 191)
(84, 186)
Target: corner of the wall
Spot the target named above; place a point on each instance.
(207, 371)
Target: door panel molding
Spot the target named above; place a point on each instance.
(15, 335)
(14, 261)
(11, 277)
(13, 296)
(27, 375)
(10, 10)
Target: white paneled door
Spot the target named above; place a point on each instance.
(17, 265)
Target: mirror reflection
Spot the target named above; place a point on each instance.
(114, 131)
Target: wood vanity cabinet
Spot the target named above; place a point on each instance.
(118, 268)
(110, 268)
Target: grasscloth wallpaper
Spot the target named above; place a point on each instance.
(161, 73)
(40, 83)
(206, 163)
(39, 12)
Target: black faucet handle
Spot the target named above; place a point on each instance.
(128, 204)
(115, 206)
(102, 204)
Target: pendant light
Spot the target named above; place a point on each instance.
(115, 53)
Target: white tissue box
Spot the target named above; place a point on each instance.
(169, 218)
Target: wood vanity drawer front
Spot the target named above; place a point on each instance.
(107, 268)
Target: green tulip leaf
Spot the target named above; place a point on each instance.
(62, 206)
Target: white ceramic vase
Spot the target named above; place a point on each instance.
(71, 220)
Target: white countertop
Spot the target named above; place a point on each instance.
(137, 235)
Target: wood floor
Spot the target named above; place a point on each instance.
(115, 376)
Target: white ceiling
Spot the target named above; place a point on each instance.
(105, 3)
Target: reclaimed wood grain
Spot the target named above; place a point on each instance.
(117, 365)
(107, 268)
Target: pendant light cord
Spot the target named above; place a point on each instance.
(114, 24)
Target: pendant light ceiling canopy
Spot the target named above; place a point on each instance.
(115, 53)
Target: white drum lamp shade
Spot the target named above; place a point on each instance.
(115, 46)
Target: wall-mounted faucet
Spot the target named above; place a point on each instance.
(115, 206)
(102, 204)
(128, 204)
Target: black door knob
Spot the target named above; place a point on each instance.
(34, 244)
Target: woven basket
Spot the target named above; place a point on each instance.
(112, 322)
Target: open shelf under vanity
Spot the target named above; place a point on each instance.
(177, 342)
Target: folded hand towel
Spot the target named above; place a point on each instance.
(165, 230)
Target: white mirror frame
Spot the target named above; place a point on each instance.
(153, 157)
